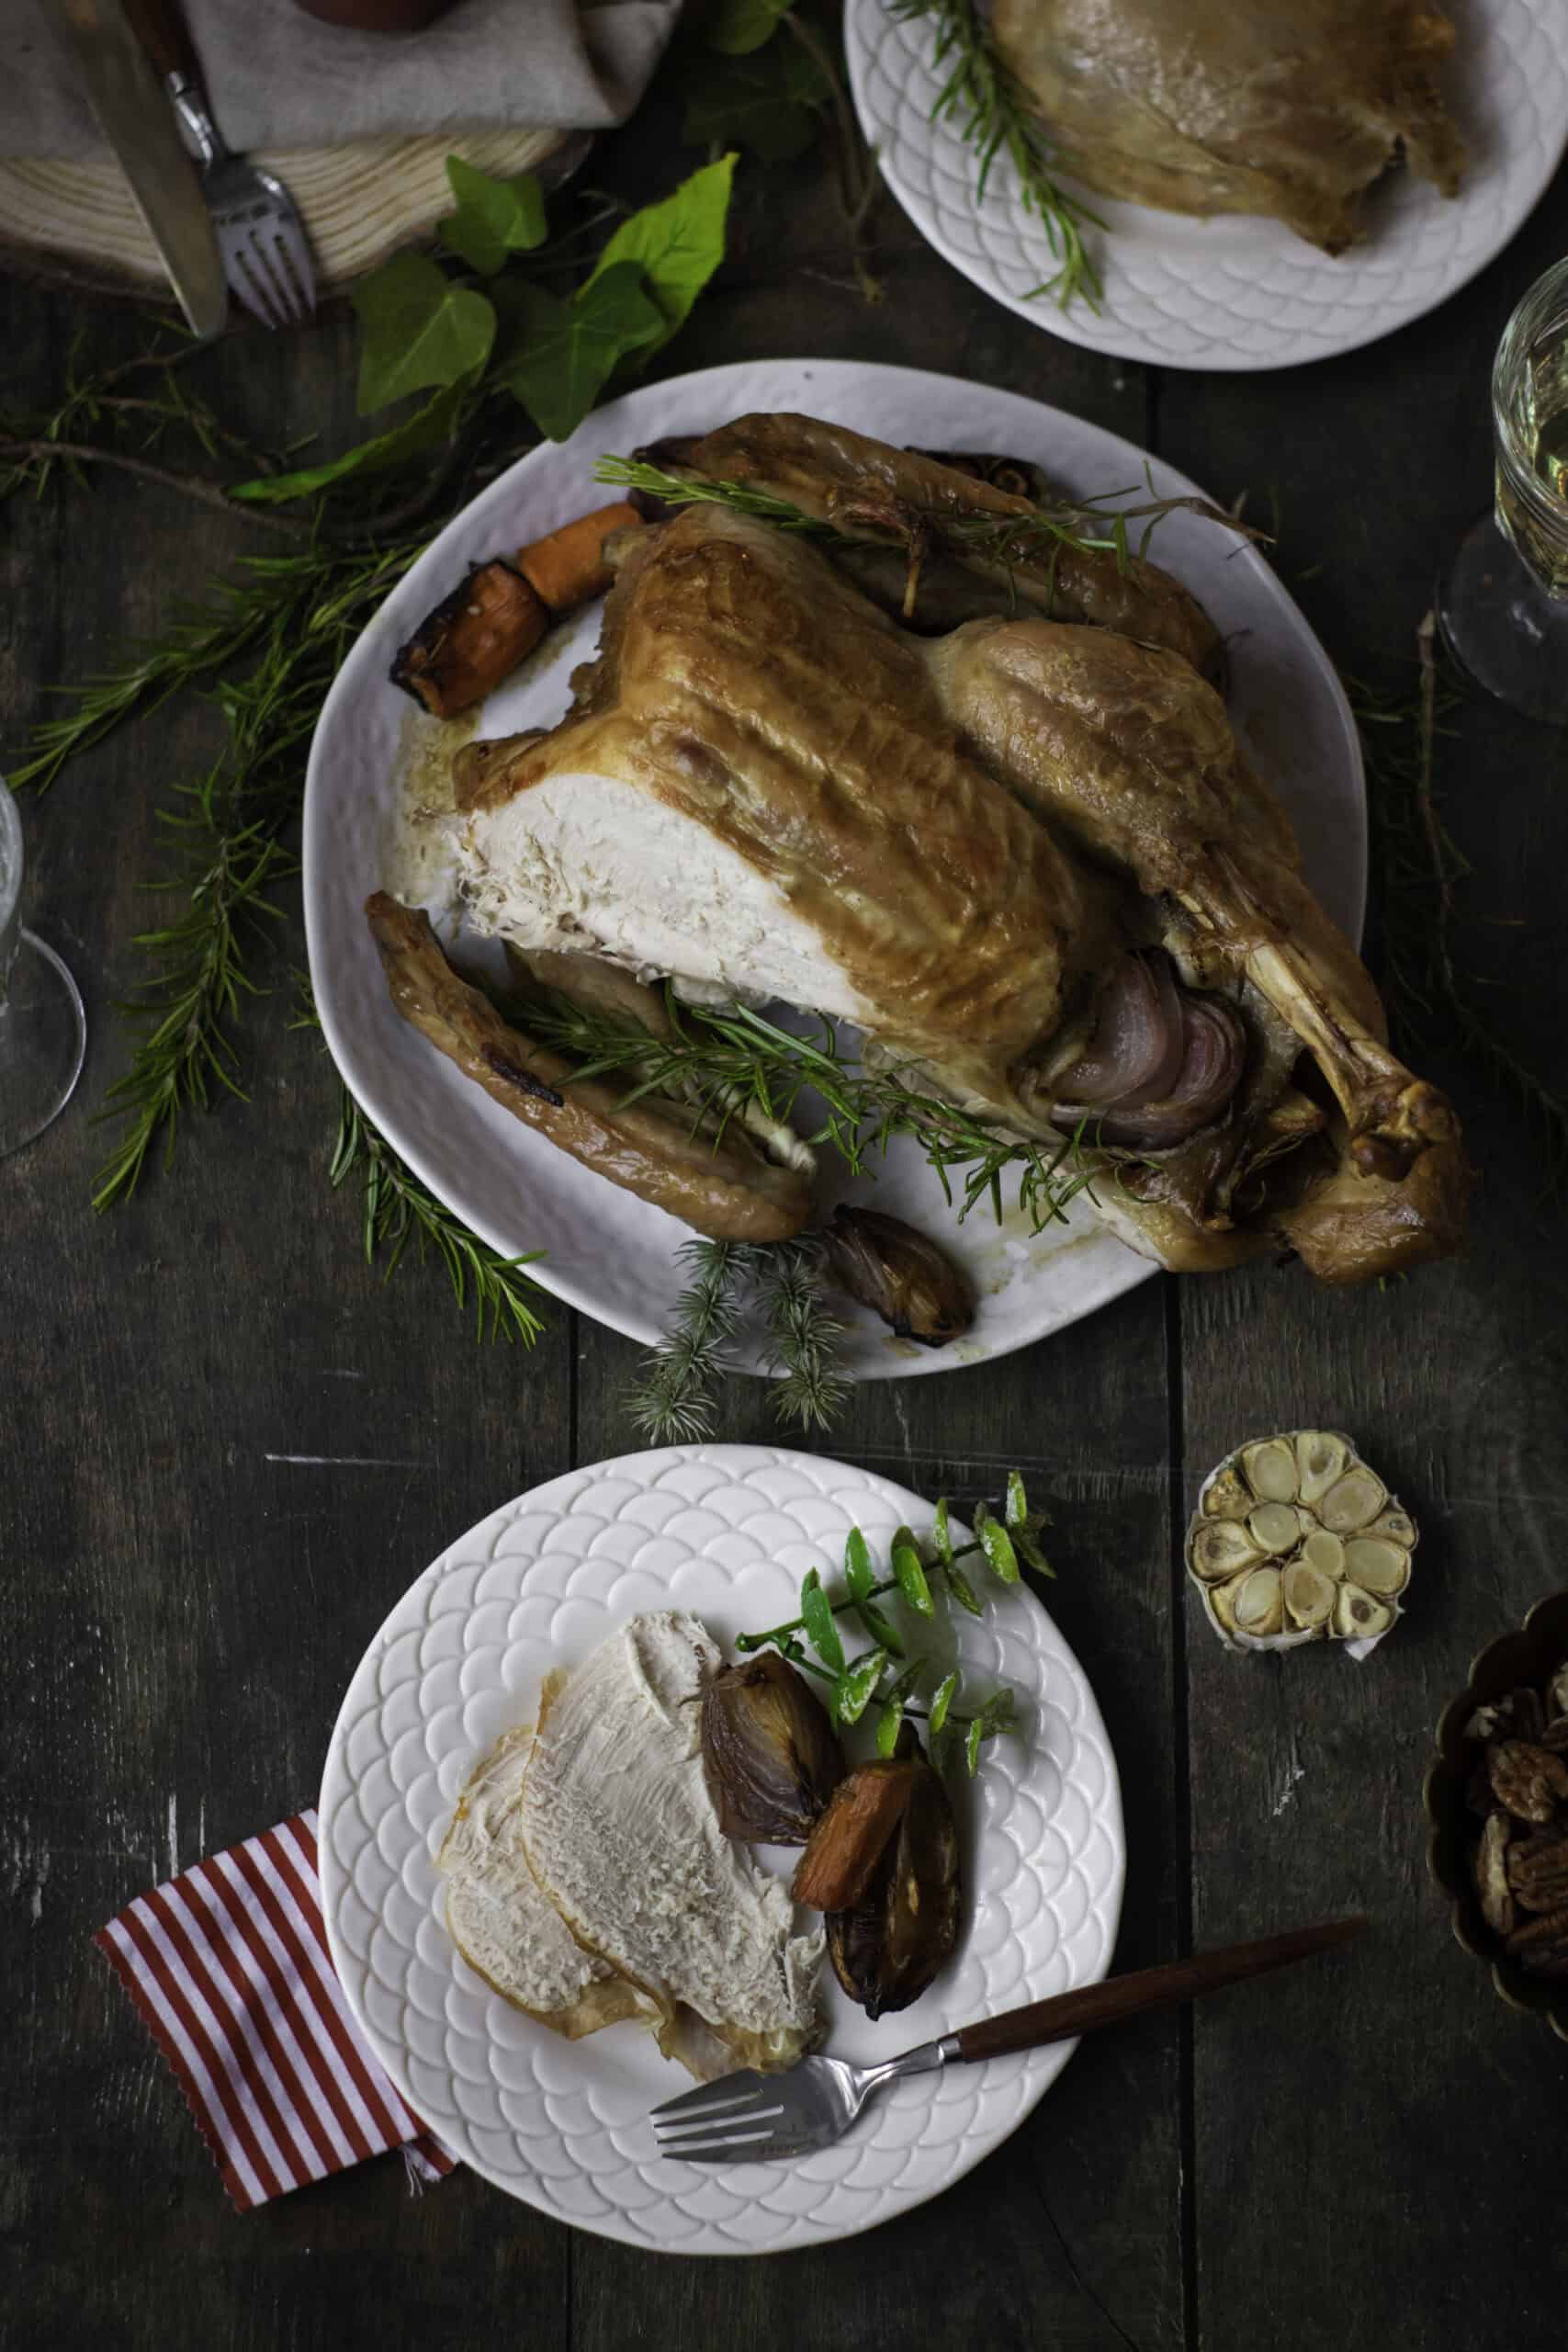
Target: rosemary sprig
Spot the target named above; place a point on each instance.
(293, 618)
(695, 489)
(1090, 526)
(398, 1209)
(725, 1059)
(991, 112)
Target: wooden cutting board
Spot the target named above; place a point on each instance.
(75, 223)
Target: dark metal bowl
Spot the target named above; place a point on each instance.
(1531, 1655)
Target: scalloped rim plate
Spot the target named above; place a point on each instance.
(727, 1531)
(1234, 292)
(607, 1252)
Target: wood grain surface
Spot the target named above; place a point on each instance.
(229, 1449)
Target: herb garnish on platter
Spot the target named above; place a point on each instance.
(894, 1673)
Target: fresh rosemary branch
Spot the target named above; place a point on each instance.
(1422, 869)
(694, 490)
(991, 112)
(399, 1209)
(293, 618)
(1090, 526)
(724, 1059)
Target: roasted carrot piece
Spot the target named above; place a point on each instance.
(471, 640)
(848, 1838)
(567, 567)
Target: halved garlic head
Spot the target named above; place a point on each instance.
(1295, 1539)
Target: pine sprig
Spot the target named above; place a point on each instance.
(991, 112)
(398, 1211)
(803, 1337)
(675, 1400)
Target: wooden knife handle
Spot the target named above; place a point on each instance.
(1150, 1988)
(160, 26)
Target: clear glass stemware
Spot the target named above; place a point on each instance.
(43, 1030)
(1503, 602)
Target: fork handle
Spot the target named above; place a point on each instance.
(1165, 1988)
(160, 26)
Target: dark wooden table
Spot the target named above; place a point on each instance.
(229, 1450)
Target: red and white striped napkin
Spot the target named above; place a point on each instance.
(228, 1965)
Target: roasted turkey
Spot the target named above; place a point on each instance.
(1026, 856)
(1289, 108)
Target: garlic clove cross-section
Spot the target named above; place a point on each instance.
(1295, 1539)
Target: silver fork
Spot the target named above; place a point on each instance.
(753, 2117)
(266, 256)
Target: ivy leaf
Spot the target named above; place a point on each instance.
(736, 26)
(570, 348)
(768, 101)
(677, 244)
(889, 1723)
(941, 1534)
(427, 428)
(420, 329)
(972, 1745)
(857, 1565)
(494, 218)
(1017, 1511)
(821, 1632)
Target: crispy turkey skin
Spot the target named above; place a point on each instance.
(1027, 858)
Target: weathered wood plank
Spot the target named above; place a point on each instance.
(1362, 2128)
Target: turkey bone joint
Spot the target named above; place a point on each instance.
(1026, 857)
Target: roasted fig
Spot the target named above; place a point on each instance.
(900, 1275)
(849, 1841)
(893, 1943)
(770, 1753)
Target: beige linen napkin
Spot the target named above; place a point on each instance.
(279, 79)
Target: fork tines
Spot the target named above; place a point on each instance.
(719, 2119)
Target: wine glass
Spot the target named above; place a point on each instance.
(1503, 602)
(43, 1030)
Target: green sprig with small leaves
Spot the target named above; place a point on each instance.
(888, 1677)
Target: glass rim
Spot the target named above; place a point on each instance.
(10, 854)
(1529, 313)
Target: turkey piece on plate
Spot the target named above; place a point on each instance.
(1027, 858)
(1288, 107)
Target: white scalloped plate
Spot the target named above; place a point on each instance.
(727, 1531)
(1234, 292)
(607, 1252)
